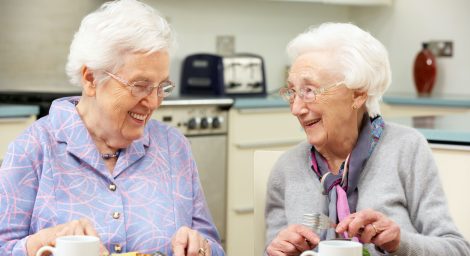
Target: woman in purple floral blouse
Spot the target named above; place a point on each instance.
(98, 164)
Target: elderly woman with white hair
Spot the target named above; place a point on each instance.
(376, 180)
(98, 164)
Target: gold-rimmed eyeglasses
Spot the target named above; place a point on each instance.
(142, 89)
(306, 93)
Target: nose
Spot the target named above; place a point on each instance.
(151, 101)
(298, 106)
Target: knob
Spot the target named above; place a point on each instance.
(192, 124)
(216, 122)
(204, 123)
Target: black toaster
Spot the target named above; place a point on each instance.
(215, 75)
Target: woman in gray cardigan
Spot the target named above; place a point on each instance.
(377, 180)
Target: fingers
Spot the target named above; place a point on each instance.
(372, 226)
(48, 236)
(179, 242)
(389, 238)
(195, 242)
(358, 221)
(293, 240)
(190, 242)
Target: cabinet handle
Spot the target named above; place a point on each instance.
(267, 143)
(244, 210)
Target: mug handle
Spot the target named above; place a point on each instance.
(305, 253)
(44, 249)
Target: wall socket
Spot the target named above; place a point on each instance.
(441, 48)
(225, 45)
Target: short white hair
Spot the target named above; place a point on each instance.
(115, 29)
(362, 59)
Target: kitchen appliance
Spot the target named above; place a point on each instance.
(204, 122)
(236, 75)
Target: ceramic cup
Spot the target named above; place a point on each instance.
(336, 248)
(73, 246)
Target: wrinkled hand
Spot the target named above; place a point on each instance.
(293, 240)
(189, 242)
(372, 227)
(48, 236)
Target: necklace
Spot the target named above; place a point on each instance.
(108, 156)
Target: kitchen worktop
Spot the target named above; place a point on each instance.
(7, 110)
(260, 102)
(434, 100)
(449, 129)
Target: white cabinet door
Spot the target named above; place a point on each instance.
(250, 130)
(454, 172)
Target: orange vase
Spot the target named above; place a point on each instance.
(425, 71)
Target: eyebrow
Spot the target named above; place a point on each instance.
(142, 78)
(305, 80)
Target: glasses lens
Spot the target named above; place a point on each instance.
(308, 94)
(165, 89)
(142, 88)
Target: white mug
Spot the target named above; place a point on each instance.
(73, 246)
(336, 248)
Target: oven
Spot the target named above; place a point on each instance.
(205, 123)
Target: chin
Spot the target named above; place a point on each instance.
(316, 140)
(134, 135)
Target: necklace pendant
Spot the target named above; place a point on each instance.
(109, 156)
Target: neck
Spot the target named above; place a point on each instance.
(336, 154)
(103, 141)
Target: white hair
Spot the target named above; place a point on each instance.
(113, 30)
(362, 59)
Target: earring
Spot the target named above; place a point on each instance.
(354, 106)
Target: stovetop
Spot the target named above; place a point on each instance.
(44, 100)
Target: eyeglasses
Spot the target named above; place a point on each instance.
(143, 88)
(307, 93)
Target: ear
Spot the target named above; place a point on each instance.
(88, 81)
(359, 99)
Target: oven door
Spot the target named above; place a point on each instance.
(210, 154)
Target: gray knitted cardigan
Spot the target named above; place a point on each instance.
(400, 179)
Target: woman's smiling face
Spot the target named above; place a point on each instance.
(123, 115)
(330, 118)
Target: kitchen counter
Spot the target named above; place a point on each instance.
(260, 102)
(8, 111)
(435, 100)
(448, 129)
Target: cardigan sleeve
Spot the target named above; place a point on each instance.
(275, 215)
(427, 207)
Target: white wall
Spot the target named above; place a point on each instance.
(403, 26)
(34, 42)
(259, 27)
(35, 35)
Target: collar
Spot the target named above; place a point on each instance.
(68, 128)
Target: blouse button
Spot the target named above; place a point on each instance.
(112, 187)
(117, 248)
(116, 215)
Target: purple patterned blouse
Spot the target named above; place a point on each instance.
(53, 174)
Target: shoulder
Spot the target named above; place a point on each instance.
(37, 134)
(298, 153)
(407, 137)
(164, 135)
(160, 129)
(401, 147)
(291, 163)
